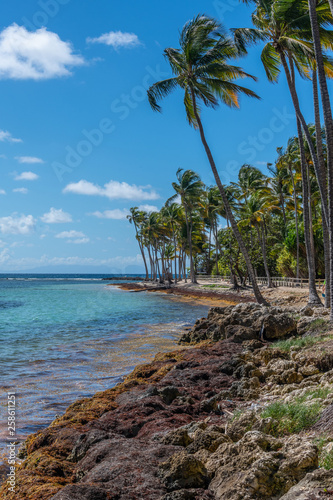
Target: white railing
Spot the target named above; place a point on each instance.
(277, 281)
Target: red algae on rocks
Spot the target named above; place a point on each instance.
(170, 431)
(112, 442)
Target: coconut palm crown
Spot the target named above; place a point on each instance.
(201, 69)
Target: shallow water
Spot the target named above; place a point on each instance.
(63, 339)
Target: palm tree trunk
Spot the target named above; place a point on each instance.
(158, 272)
(260, 299)
(142, 251)
(151, 262)
(189, 240)
(296, 221)
(327, 111)
(175, 247)
(313, 295)
(331, 5)
(209, 246)
(313, 251)
(262, 242)
(180, 263)
(294, 97)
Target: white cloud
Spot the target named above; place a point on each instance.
(14, 224)
(76, 237)
(55, 216)
(148, 208)
(20, 190)
(2, 191)
(116, 214)
(26, 176)
(37, 55)
(112, 190)
(28, 159)
(117, 39)
(7, 136)
(79, 241)
(70, 234)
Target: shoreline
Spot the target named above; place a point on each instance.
(186, 293)
(144, 422)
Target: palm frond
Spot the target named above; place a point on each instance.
(159, 90)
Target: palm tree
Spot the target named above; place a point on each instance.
(285, 28)
(137, 217)
(327, 111)
(289, 157)
(172, 214)
(189, 188)
(253, 214)
(202, 71)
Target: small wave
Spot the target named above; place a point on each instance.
(9, 304)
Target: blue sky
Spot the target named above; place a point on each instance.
(79, 144)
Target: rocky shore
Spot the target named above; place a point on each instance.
(245, 412)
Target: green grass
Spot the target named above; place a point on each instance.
(319, 323)
(325, 458)
(293, 417)
(321, 392)
(285, 345)
(237, 414)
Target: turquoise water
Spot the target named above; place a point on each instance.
(63, 338)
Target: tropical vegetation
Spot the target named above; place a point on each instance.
(276, 222)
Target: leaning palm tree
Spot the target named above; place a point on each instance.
(202, 70)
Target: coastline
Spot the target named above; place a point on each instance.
(186, 293)
(201, 295)
(170, 416)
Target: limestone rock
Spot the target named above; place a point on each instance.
(260, 466)
(315, 485)
(183, 471)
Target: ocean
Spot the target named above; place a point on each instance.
(64, 337)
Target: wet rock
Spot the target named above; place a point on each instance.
(85, 442)
(168, 394)
(183, 471)
(78, 492)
